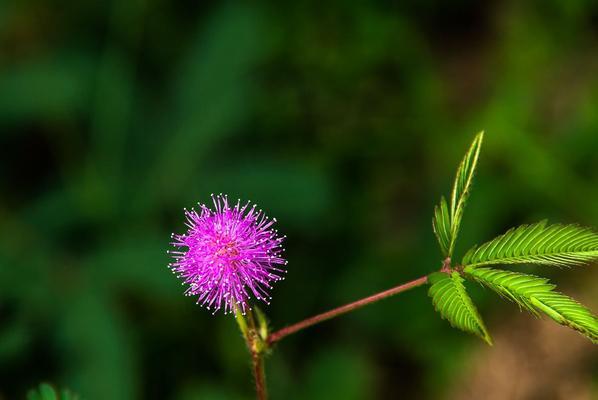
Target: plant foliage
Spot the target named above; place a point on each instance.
(536, 294)
(557, 245)
(446, 222)
(454, 304)
(47, 392)
(442, 226)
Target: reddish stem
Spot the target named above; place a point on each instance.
(446, 266)
(259, 376)
(281, 333)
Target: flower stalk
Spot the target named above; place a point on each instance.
(255, 338)
(257, 361)
(232, 255)
(306, 323)
(259, 340)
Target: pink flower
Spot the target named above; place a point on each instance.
(228, 255)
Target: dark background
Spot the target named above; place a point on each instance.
(346, 122)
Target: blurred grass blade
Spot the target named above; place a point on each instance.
(211, 95)
(46, 88)
(44, 392)
(96, 350)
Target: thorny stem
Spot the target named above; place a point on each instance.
(278, 335)
(258, 374)
(256, 348)
(252, 336)
(255, 345)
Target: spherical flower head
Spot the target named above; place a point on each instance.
(228, 255)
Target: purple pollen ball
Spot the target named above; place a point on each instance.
(228, 255)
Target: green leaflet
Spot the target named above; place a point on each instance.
(441, 223)
(557, 245)
(454, 304)
(462, 185)
(447, 221)
(537, 294)
(514, 286)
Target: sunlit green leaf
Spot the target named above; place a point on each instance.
(537, 294)
(454, 304)
(462, 187)
(556, 245)
(442, 226)
(447, 219)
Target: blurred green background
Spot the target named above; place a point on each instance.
(346, 122)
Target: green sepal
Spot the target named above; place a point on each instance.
(262, 323)
(241, 322)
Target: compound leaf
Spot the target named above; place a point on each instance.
(556, 245)
(536, 294)
(441, 224)
(454, 304)
(446, 221)
(462, 186)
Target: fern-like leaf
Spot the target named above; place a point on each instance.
(537, 294)
(514, 286)
(454, 304)
(462, 186)
(442, 226)
(446, 221)
(557, 245)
